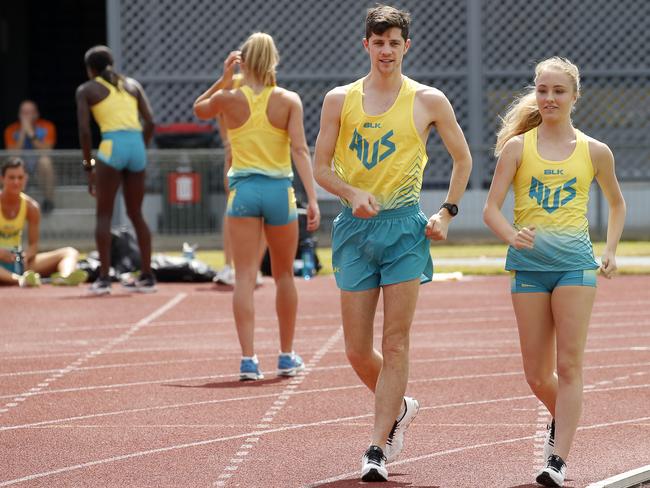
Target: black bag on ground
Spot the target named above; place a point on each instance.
(175, 269)
(125, 253)
(125, 256)
(90, 265)
(304, 238)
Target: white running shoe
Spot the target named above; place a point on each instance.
(549, 441)
(225, 276)
(373, 465)
(395, 441)
(553, 473)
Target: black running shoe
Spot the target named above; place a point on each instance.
(101, 286)
(145, 283)
(553, 474)
(373, 465)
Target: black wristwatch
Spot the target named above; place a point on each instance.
(452, 208)
(88, 165)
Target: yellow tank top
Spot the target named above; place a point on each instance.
(11, 230)
(257, 146)
(118, 111)
(381, 154)
(553, 196)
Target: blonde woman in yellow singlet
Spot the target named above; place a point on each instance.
(550, 165)
(264, 125)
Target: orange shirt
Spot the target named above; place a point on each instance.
(44, 131)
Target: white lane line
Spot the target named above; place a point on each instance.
(439, 322)
(136, 365)
(338, 367)
(249, 438)
(203, 346)
(467, 448)
(506, 317)
(210, 321)
(112, 343)
(272, 395)
(283, 397)
(277, 406)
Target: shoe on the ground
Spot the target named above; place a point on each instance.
(373, 465)
(289, 364)
(101, 286)
(395, 441)
(549, 441)
(553, 473)
(29, 279)
(75, 278)
(145, 283)
(225, 276)
(249, 369)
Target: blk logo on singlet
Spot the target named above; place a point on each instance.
(550, 199)
(381, 148)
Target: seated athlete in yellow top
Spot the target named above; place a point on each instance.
(550, 165)
(265, 132)
(373, 133)
(17, 209)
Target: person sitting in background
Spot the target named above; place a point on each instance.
(29, 133)
(16, 208)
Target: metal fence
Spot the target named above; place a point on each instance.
(185, 200)
(479, 52)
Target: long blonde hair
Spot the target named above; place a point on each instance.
(261, 57)
(523, 113)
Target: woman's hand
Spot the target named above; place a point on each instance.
(524, 238)
(313, 215)
(608, 264)
(91, 182)
(233, 59)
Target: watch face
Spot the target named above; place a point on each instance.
(451, 208)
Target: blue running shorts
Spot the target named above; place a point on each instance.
(257, 195)
(123, 150)
(383, 250)
(547, 281)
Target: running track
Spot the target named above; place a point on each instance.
(141, 391)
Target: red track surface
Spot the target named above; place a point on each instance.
(142, 391)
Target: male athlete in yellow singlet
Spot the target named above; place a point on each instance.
(374, 133)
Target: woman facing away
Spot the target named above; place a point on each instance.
(264, 125)
(116, 103)
(551, 165)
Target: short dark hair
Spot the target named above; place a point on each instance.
(383, 17)
(98, 58)
(12, 162)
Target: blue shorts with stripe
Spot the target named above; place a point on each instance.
(547, 281)
(257, 195)
(383, 250)
(123, 150)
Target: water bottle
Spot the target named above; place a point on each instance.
(308, 259)
(188, 251)
(19, 260)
